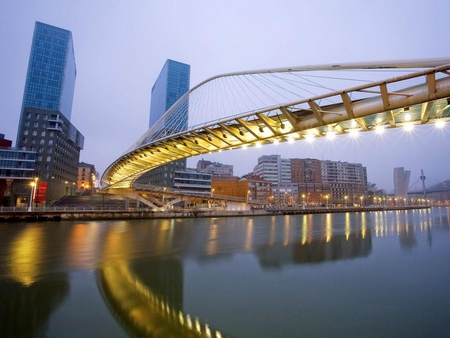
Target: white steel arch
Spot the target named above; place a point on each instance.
(420, 95)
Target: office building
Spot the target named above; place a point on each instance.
(171, 84)
(44, 124)
(191, 181)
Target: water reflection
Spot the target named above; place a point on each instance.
(140, 264)
(148, 295)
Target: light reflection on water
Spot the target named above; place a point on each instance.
(286, 276)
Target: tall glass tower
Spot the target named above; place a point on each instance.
(171, 84)
(44, 124)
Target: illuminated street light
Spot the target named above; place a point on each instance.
(33, 185)
(346, 198)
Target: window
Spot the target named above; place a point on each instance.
(34, 132)
(43, 133)
(49, 158)
(36, 124)
(25, 132)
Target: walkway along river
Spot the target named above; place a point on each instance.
(68, 213)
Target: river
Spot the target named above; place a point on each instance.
(363, 274)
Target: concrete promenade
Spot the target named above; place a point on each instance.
(71, 214)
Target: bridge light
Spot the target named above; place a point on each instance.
(244, 146)
(354, 133)
(291, 139)
(224, 135)
(258, 144)
(241, 132)
(276, 141)
(282, 126)
(440, 123)
(408, 126)
(379, 129)
(309, 138)
(209, 138)
(261, 129)
(330, 135)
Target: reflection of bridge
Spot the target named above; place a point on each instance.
(237, 110)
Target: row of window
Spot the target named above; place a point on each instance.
(16, 164)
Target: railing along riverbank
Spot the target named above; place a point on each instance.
(13, 214)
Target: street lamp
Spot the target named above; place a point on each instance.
(303, 196)
(33, 185)
(327, 200)
(361, 198)
(346, 198)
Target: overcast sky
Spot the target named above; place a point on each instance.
(121, 46)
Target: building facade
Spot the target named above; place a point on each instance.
(348, 182)
(274, 169)
(219, 169)
(86, 176)
(190, 181)
(401, 183)
(259, 190)
(172, 83)
(313, 182)
(16, 166)
(44, 125)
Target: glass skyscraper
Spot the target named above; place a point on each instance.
(172, 83)
(44, 124)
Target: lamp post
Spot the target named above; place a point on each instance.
(326, 197)
(303, 196)
(32, 194)
(346, 198)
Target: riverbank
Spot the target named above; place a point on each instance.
(68, 214)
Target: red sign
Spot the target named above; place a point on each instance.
(41, 192)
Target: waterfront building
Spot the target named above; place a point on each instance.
(313, 182)
(274, 169)
(86, 176)
(44, 125)
(348, 182)
(229, 187)
(401, 183)
(16, 165)
(259, 189)
(191, 181)
(306, 170)
(171, 84)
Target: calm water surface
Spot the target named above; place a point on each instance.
(374, 274)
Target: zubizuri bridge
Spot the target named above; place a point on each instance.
(255, 108)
